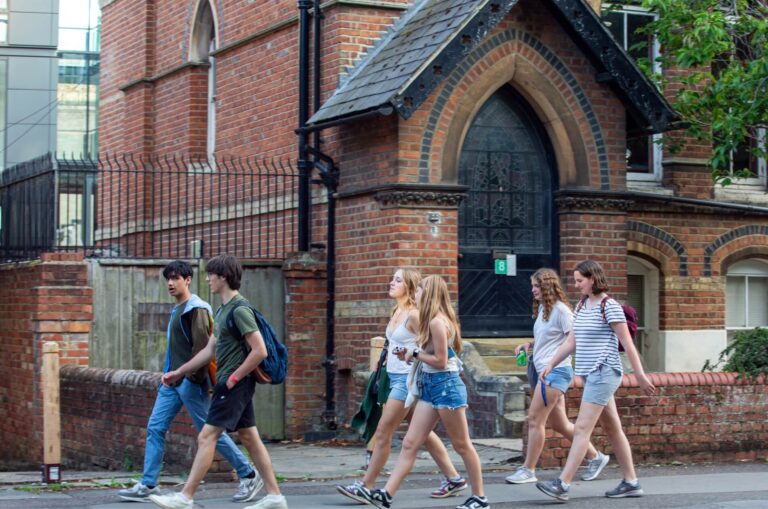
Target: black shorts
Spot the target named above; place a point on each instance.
(232, 409)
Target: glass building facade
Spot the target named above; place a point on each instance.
(78, 87)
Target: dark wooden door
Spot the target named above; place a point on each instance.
(506, 161)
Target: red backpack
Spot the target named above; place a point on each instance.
(629, 313)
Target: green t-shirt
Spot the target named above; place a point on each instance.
(229, 351)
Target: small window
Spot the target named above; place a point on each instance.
(3, 21)
(643, 152)
(746, 299)
(746, 158)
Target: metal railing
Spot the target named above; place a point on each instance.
(149, 207)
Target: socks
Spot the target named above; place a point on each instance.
(631, 483)
(566, 485)
(252, 475)
(455, 479)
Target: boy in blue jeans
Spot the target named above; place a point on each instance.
(189, 330)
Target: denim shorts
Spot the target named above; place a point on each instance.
(559, 378)
(600, 385)
(397, 386)
(443, 390)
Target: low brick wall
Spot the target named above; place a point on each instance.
(104, 414)
(694, 417)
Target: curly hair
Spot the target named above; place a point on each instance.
(593, 270)
(551, 292)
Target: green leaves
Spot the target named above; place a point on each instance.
(721, 47)
(747, 354)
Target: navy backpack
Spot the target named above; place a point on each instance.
(272, 370)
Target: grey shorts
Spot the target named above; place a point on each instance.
(600, 385)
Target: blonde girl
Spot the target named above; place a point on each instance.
(443, 394)
(595, 337)
(554, 320)
(401, 335)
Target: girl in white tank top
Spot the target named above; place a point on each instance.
(401, 332)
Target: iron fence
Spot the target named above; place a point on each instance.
(149, 207)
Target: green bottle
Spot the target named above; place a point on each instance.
(522, 358)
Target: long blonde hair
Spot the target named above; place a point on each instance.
(434, 300)
(411, 279)
(551, 292)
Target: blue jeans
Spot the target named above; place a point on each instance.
(167, 404)
(443, 389)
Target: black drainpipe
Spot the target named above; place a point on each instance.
(303, 160)
(329, 176)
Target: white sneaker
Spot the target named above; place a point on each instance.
(521, 476)
(172, 501)
(248, 489)
(595, 466)
(138, 493)
(270, 502)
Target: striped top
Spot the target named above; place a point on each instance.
(596, 343)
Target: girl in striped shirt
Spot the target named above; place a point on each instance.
(597, 329)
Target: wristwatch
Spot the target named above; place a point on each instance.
(416, 352)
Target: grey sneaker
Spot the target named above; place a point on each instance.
(624, 489)
(248, 489)
(554, 488)
(138, 493)
(522, 476)
(595, 466)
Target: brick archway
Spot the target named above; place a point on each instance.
(520, 59)
(738, 243)
(644, 235)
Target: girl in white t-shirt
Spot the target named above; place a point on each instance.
(554, 321)
(595, 336)
(401, 334)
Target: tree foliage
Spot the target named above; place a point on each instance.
(722, 45)
(747, 354)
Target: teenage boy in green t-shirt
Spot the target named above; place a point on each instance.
(232, 403)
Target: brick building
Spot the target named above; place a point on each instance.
(464, 131)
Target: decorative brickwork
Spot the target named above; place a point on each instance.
(639, 229)
(694, 417)
(758, 234)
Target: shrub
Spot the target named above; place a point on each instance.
(747, 354)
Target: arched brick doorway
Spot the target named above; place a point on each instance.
(508, 164)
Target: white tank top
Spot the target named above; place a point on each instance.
(403, 338)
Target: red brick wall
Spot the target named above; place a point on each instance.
(104, 414)
(305, 325)
(46, 300)
(694, 417)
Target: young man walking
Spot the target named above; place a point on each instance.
(188, 333)
(232, 404)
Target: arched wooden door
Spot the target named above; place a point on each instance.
(507, 162)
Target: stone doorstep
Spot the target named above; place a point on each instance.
(499, 354)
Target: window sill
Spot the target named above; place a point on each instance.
(648, 186)
(743, 193)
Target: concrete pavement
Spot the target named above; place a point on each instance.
(311, 471)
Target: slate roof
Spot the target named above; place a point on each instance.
(432, 36)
